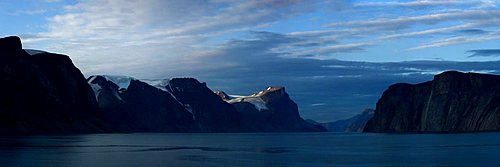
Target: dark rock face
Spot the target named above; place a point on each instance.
(353, 124)
(272, 110)
(43, 93)
(186, 105)
(222, 95)
(452, 102)
(211, 113)
(140, 107)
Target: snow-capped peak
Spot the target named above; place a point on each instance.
(255, 99)
(160, 84)
(121, 81)
(95, 87)
(258, 103)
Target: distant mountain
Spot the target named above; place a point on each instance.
(210, 112)
(130, 105)
(44, 93)
(451, 102)
(353, 124)
(186, 105)
(270, 110)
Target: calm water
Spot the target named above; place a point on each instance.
(256, 149)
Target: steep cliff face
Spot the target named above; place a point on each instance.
(353, 124)
(130, 105)
(270, 110)
(43, 93)
(452, 102)
(211, 113)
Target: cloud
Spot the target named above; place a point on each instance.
(425, 3)
(484, 53)
(464, 22)
(124, 34)
(160, 32)
(472, 31)
(244, 66)
(175, 19)
(262, 44)
(318, 104)
(244, 46)
(405, 22)
(325, 51)
(458, 40)
(432, 72)
(33, 12)
(464, 28)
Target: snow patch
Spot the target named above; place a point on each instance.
(96, 88)
(257, 102)
(160, 84)
(121, 81)
(92, 79)
(34, 52)
(124, 82)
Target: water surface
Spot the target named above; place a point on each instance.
(252, 149)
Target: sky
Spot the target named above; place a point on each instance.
(335, 58)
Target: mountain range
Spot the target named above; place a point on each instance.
(45, 93)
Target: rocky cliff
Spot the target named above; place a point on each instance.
(451, 102)
(210, 112)
(43, 93)
(270, 110)
(130, 105)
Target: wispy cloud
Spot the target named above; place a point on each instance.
(318, 104)
(405, 22)
(181, 31)
(32, 12)
(327, 51)
(426, 3)
(458, 40)
(450, 29)
(484, 53)
(472, 31)
(455, 24)
(153, 31)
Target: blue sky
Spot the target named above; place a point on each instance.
(244, 46)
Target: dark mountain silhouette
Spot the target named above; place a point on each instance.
(452, 102)
(270, 110)
(353, 124)
(210, 112)
(43, 93)
(140, 107)
(186, 105)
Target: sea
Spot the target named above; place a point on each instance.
(251, 150)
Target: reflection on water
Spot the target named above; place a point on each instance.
(254, 149)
